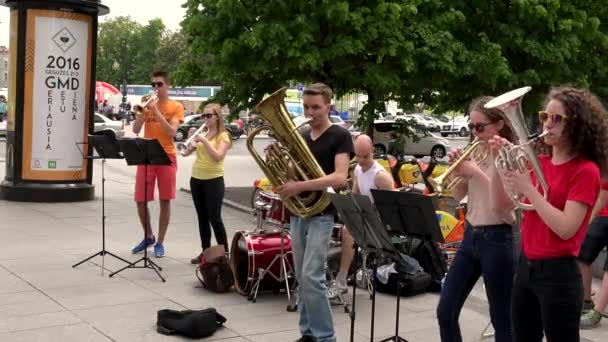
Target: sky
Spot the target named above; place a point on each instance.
(170, 11)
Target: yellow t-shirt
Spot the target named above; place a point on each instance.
(205, 167)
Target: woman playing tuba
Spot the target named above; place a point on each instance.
(547, 290)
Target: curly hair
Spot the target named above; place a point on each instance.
(494, 115)
(587, 125)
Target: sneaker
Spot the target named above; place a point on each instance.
(588, 305)
(341, 283)
(145, 243)
(159, 250)
(590, 319)
(196, 260)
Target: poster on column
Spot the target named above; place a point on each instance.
(57, 97)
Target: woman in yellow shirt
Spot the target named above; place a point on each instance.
(207, 181)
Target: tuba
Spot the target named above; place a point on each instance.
(520, 157)
(477, 149)
(186, 148)
(289, 158)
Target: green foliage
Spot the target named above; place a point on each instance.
(438, 53)
(129, 49)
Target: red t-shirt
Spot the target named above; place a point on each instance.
(577, 180)
(604, 211)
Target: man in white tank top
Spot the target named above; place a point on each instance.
(369, 174)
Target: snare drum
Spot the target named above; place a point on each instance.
(270, 206)
(253, 251)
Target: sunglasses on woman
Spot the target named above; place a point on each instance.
(479, 127)
(207, 115)
(556, 118)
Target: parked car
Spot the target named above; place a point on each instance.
(335, 120)
(193, 122)
(458, 125)
(427, 144)
(3, 128)
(103, 122)
(425, 121)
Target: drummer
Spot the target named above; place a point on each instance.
(369, 174)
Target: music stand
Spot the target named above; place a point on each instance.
(105, 144)
(140, 151)
(360, 216)
(408, 214)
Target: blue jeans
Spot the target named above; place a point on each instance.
(485, 251)
(309, 244)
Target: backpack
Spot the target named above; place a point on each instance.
(215, 274)
(189, 323)
(432, 261)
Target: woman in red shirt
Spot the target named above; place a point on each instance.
(547, 290)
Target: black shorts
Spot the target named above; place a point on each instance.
(595, 240)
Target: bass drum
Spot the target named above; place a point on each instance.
(251, 252)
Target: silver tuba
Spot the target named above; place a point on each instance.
(517, 157)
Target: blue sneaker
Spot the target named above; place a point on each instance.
(159, 250)
(143, 245)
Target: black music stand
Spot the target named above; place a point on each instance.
(140, 151)
(360, 216)
(407, 214)
(105, 144)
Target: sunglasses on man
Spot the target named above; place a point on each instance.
(157, 84)
(556, 118)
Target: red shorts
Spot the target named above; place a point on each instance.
(164, 174)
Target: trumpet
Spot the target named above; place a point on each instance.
(139, 108)
(477, 149)
(186, 148)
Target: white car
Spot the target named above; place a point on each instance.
(427, 144)
(458, 125)
(335, 120)
(102, 122)
(425, 121)
(3, 128)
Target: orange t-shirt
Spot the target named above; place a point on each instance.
(153, 130)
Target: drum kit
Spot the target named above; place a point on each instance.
(262, 259)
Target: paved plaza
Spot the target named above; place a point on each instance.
(42, 298)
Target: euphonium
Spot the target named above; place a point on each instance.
(444, 183)
(289, 158)
(186, 148)
(519, 157)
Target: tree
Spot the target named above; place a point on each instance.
(126, 49)
(172, 51)
(147, 43)
(115, 53)
(440, 53)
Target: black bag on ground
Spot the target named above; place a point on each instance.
(189, 323)
(432, 261)
(411, 284)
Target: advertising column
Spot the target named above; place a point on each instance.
(51, 99)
